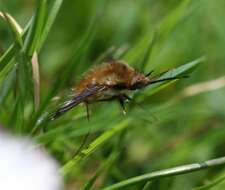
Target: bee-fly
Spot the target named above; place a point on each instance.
(109, 81)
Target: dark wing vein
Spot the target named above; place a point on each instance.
(77, 99)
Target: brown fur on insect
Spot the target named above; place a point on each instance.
(108, 81)
(109, 74)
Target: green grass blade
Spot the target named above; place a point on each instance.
(33, 38)
(4, 72)
(23, 88)
(82, 49)
(165, 27)
(51, 16)
(92, 147)
(147, 186)
(7, 84)
(16, 122)
(167, 173)
(11, 51)
(16, 31)
(7, 56)
(36, 80)
(147, 53)
(108, 53)
(99, 171)
(78, 54)
(169, 22)
(183, 69)
(15, 28)
(68, 70)
(211, 184)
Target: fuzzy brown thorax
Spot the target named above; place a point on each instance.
(112, 74)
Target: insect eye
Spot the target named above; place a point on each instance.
(137, 85)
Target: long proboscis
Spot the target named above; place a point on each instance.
(166, 79)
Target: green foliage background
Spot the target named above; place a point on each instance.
(171, 127)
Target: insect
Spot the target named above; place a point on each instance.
(109, 81)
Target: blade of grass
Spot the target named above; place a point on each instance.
(107, 54)
(92, 147)
(11, 51)
(23, 88)
(7, 57)
(36, 80)
(147, 186)
(69, 130)
(16, 122)
(12, 21)
(6, 70)
(121, 51)
(118, 145)
(168, 173)
(211, 184)
(183, 69)
(99, 171)
(52, 13)
(202, 87)
(147, 53)
(170, 21)
(7, 85)
(46, 29)
(34, 34)
(82, 49)
(37, 36)
(17, 31)
(68, 70)
(164, 28)
(15, 28)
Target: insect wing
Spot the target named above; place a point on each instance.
(77, 99)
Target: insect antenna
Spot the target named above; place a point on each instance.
(149, 73)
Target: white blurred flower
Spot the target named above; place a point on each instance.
(26, 167)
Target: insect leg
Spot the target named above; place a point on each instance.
(108, 99)
(126, 97)
(121, 101)
(85, 138)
